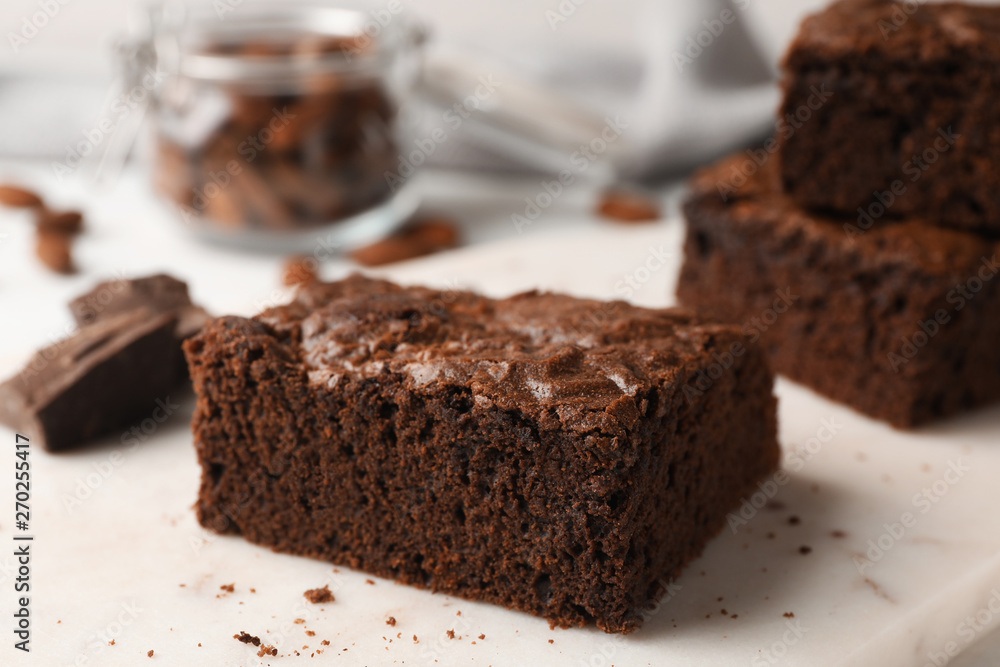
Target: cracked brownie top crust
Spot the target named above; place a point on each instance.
(535, 352)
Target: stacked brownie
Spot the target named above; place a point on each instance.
(560, 456)
(864, 252)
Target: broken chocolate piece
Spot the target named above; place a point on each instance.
(105, 377)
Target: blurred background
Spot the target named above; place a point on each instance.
(687, 92)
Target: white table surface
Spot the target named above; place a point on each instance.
(111, 565)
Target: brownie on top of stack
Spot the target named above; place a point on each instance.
(877, 218)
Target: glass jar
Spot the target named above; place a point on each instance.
(276, 123)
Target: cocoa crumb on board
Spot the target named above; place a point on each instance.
(266, 650)
(789, 614)
(325, 642)
(150, 653)
(319, 595)
(229, 588)
(482, 636)
(247, 638)
(624, 206)
(805, 550)
(451, 634)
(310, 633)
(391, 621)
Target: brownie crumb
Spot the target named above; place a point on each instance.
(111, 643)
(149, 654)
(253, 590)
(299, 270)
(325, 642)
(310, 633)
(794, 520)
(838, 534)
(319, 595)
(451, 634)
(623, 206)
(805, 550)
(789, 614)
(482, 636)
(229, 588)
(247, 638)
(300, 621)
(391, 621)
(370, 582)
(266, 650)
(734, 616)
(552, 641)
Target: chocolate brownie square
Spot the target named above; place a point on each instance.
(911, 125)
(555, 455)
(901, 322)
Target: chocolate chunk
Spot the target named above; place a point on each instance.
(104, 378)
(159, 293)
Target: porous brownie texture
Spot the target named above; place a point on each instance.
(910, 124)
(900, 322)
(559, 456)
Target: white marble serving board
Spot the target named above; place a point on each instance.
(118, 554)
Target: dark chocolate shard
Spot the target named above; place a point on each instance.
(158, 293)
(107, 376)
